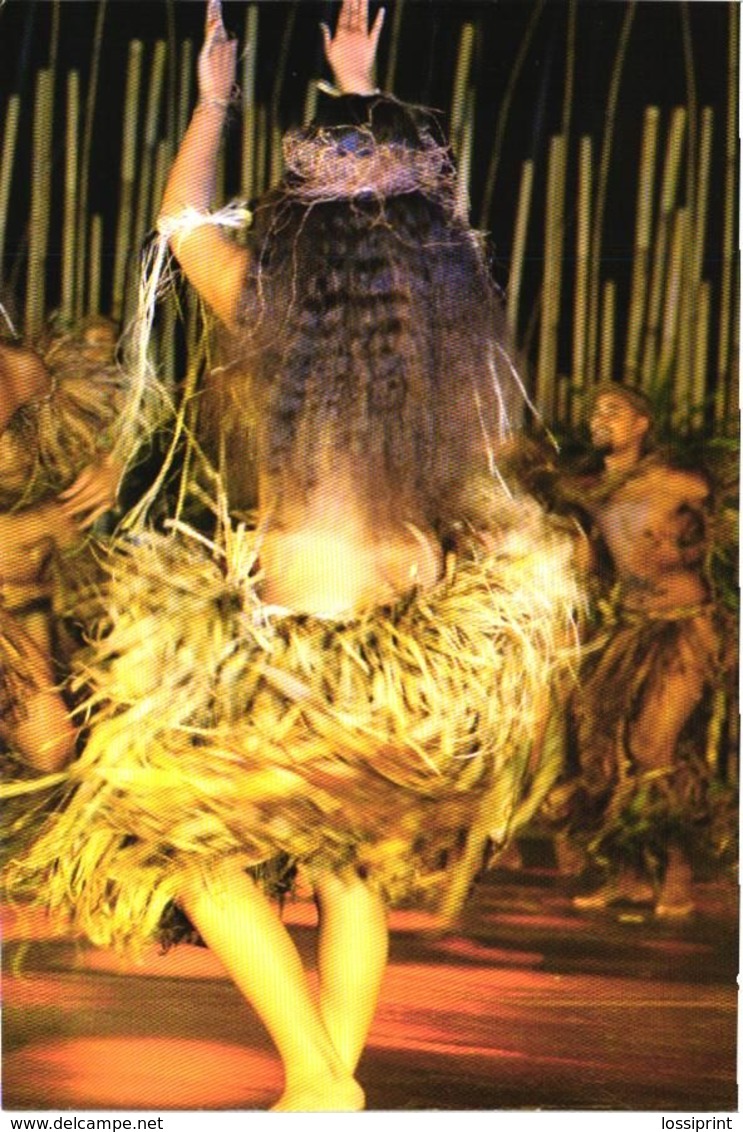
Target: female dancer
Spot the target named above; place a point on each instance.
(363, 697)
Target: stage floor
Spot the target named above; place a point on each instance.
(531, 1005)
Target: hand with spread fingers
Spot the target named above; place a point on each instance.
(217, 59)
(93, 492)
(352, 50)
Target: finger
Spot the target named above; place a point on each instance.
(377, 27)
(73, 504)
(215, 32)
(79, 485)
(213, 15)
(326, 37)
(84, 522)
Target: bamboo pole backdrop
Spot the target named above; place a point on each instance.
(10, 138)
(582, 264)
(519, 246)
(662, 243)
(248, 179)
(41, 211)
(70, 217)
(643, 237)
(674, 321)
(729, 307)
(130, 137)
(86, 155)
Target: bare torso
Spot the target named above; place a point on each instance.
(645, 523)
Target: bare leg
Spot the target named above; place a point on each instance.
(242, 928)
(351, 959)
(653, 740)
(676, 899)
(43, 734)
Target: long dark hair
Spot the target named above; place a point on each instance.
(374, 337)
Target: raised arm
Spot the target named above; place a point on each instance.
(351, 51)
(213, 264)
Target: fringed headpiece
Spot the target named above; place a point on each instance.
(340, 163)
(369, 145)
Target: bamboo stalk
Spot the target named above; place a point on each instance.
(551, 285)
(167, 344)
(273, 137)
(567, 98)
(310, 103)
(683, 375)
(461, 84)
(394, 48)
(54, 40)
(86, 149)
(248, 179)
(671, 303)
(701, 197)
(261, 150)
(562, 412)
(40, 205)
(69, 220)
(505, 107)
(95, 264)
(519, 246)
(10, 139)
(163, 159)
(728, 308)
(185, 82)
(277, 155)
(701, 355)
(601, 188)
(126, 187)
(643, 232)
(608, 317)
(171, 58)
(582, 265)
(464, 165)
(730, 399)
(669, 186)
(145, 203)
(687, 50)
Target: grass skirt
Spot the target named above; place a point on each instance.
(624, 814)
(396, 743)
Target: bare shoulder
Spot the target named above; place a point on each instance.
(684, 484)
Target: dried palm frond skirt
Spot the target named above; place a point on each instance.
(627, 814)
(395, 743)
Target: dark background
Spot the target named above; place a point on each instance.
(655, 72)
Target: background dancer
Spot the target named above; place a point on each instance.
(662, 653)
(363, 695)
(51, 497)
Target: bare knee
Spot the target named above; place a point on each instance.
(348, 896)
(45, 736)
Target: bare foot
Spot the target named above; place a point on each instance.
(620, 890)
(674, 910)
(676, 900)
(323, 1095)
